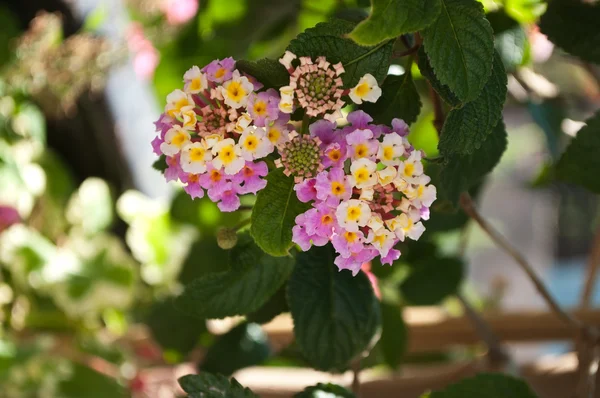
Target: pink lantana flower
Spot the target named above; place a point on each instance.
(250, 177)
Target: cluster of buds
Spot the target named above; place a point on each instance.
(215, 130)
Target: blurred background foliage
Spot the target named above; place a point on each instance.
(90, 266)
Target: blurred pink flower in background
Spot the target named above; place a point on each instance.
(8, 217)
(366, 268)
(145, 56)
(541, 47)
(179, 11)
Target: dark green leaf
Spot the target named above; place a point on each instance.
(394, 335)
(10, 29)
(325, 391)
(573, 26)
(467, 128)
(267, 71)
(443, 90)
(392, 18)
(433, 280)
(548, 114)
(241, 290)
(460, 47)
(463, 171)
(172, 329)
(336, 316)
(206, 385)
(243, 346)
(326, 39)
(486, 385)
(274, 214)
(276, 305)
(580, 164)
(399, 99)
(510, 40)
(86, 382)
(160, 164)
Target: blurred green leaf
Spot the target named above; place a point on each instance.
(85, 382)
(95, 19)
(423, 135)
(325, 391)
(525, 11)
(91, 207)
(206, 385)
(336, 315)
(276, 305)
(10, 29)
(580, 163)
(394, 335)
(160, 164)
(243, 346)
(488, 385)
(392, 18)
(460, 47)
(511, 40)
(432, 280)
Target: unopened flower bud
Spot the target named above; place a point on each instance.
(227, 238)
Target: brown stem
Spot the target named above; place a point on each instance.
(356, 378)
(467, 204)
(438, 111)
(592, 270)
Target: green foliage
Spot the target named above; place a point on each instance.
(467, 128)
(95, 385)
(394, 334)
(443, 90)
(325, 390)
(240, 290)
(511, 40)
(160, 164)
(489, 385)
(267, 71)
(336, 316)
(580, 162)
(433, 279)
(276, 305)
(274, 214)
(10, 29)
(207, 385)
(460, 172)
(573, 26)
(399, 99)
(244, 345)
(460, 47)
(327, 39)
(392, 18)
(525, 11)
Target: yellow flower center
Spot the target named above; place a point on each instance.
(326, 219)
(388, 153)
(409, 225)
(248, 172)
(177, 107)
(350, 236)
(335, 155)
(361, 175)
(420, 190)
(274, 135)
(193, 178)
(353, 213)
(337, 188)
(361, 150)
(196, 84)
(251, 143)
(179, 140)
(379, 239)
(227, 154)
(220, 73)
(362, 90)
(235, 91)
(409, 169)
(215, 175)
(260, 108)
(197, 154)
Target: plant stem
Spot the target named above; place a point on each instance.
(356, 378)
(467, 204)
(438, 111)
(592, 270)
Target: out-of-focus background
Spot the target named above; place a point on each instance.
(94, 243)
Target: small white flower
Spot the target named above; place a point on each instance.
(176, 101)
(353, 214)
(412, 168)
(194, 157)
(366, 90)
(287, 59)
(387, 175)
(406, 226)
(254, 144)
(362, 173)
(227, 155)
(242, 123)
(382, 239)
(236, 91)
(175, 138)
(195, 81)
(390, 149)
(189, 117)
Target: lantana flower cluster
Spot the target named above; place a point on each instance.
(364, 181)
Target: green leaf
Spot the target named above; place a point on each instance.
(461, 172)
(160, 164)
(427, 71)
(488, 385)
(525, 11)
(336, 316)
(10, 29)
(267, 71)
(399, 99)
(243, 346)
(241, 290)
(394, 334)
(325, 391)
(392, 18)
(274, 214)
(511, 40)
(326, 39)
(467, 128)
(460, 46)
(432, 280)
(207, 385)
(172, 329)
(573, 26)
(580, 163)
(276, 305)
(86, 382)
